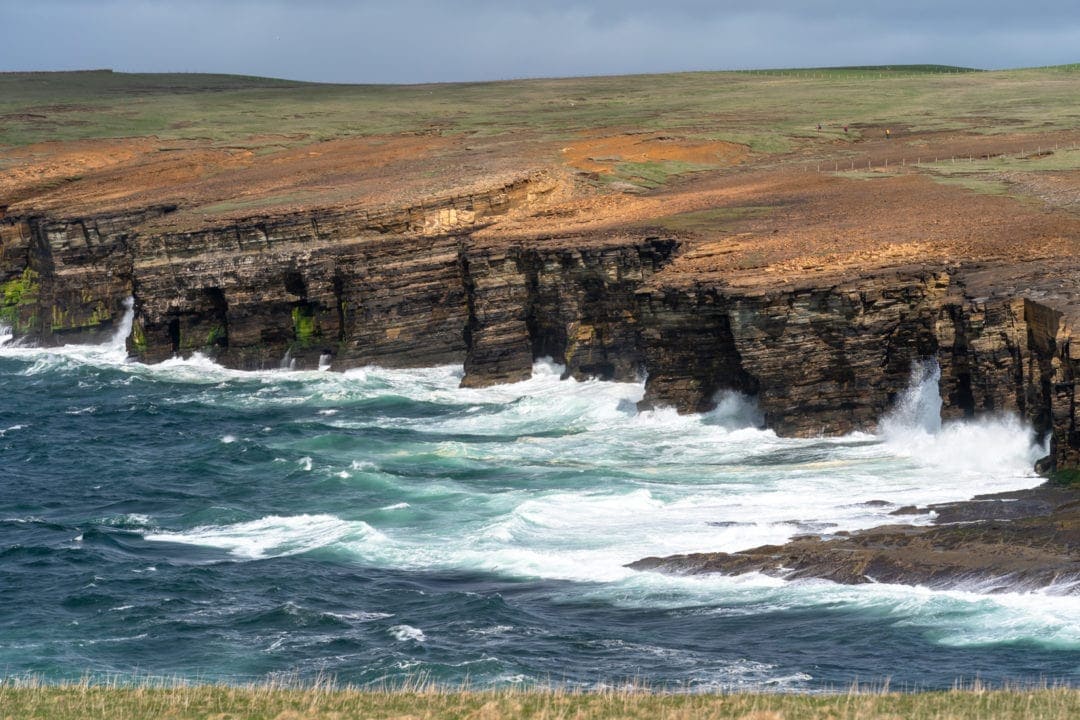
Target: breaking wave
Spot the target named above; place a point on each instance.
(548, 484)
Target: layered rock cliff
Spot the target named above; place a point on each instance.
(414, 286)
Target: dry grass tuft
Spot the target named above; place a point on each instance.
(176, 700)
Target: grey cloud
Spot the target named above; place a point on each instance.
(425, 40)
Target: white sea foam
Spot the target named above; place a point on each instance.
(110, 353)
(407, 633)
(662, 483)
(13, 428)
(361, 615)
(605, 485)
(952, 617)
(132, 521)
(273, 536)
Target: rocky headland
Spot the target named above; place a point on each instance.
(774, 274)
(822, 332)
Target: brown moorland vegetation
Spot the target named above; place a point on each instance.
(979, 165)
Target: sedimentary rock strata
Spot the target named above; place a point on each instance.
(431, 283)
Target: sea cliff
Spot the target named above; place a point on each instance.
(418, 285)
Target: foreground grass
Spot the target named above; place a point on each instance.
(68, 702)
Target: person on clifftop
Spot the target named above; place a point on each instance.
(888, 134)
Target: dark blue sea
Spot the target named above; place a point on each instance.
(376, 526)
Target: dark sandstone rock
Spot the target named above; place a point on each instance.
(1033, 540)
(412, 286)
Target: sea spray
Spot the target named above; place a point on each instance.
(110, 353)
(919, 406)
(118, 341)
(999, 446)
(461, 510)
(594, 485)
(736, 411)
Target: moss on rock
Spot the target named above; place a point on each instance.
(18, 295)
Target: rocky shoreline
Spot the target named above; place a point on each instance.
(815, 292)
(1005, 542)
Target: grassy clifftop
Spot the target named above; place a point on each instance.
(765, 109)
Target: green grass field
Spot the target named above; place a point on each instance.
(768, 110)
(89, 702)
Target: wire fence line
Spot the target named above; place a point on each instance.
(870, 163)
(885, 72)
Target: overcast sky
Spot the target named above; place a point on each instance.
(427, 40)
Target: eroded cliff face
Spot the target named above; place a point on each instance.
(576, 304)
(67, 279)
(832, 357)
(414, 287)
(820, 358)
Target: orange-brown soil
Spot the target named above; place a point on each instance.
(824, 225)
(601, 154)
(806, 219)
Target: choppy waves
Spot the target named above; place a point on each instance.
(549, 483)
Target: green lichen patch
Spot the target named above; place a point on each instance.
(217, 335)
(305, 329)
(138, 338)
(63, 320)
(18, 300)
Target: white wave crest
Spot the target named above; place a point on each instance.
(407, 633)
(272, 536)
(13, 428)
(592, 484)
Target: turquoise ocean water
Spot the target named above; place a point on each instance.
(187, 521)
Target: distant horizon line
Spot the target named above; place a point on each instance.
(928, 68)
